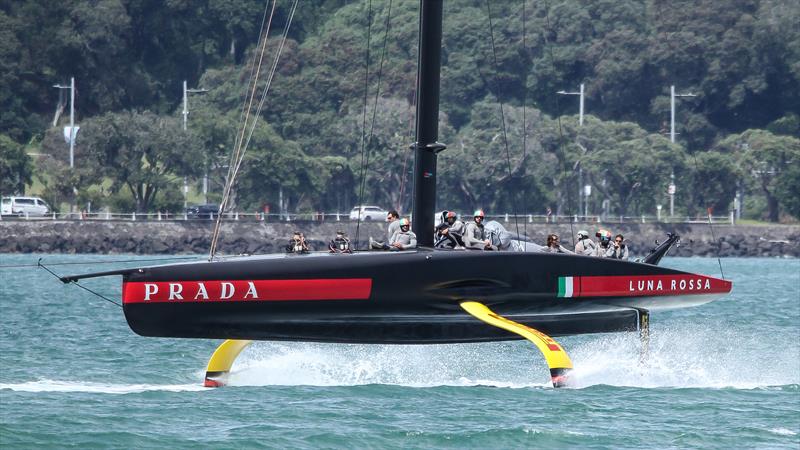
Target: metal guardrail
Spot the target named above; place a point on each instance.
(345, 217)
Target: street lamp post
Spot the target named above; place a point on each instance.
(580, 187)
(587, 191)
(672, 96)
(185, 113)
(72, 133)
(186, 93)
(580, 123)
(671, 190)
(580, 116)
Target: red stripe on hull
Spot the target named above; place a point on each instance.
(247, 290)
(649, 285)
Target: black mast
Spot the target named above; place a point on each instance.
(426, 147)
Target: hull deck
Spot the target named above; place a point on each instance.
(402, 297)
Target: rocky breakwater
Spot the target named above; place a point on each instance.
(166, 237)
(237, 237)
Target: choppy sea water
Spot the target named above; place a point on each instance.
(722, 375)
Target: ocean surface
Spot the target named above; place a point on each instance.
(722, 375)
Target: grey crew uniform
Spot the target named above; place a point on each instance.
(458, 227)
(604, 252)
(559, 249)
(475, 237)
(586, 247)
(618, 253)
(406, 239)
(394, 227)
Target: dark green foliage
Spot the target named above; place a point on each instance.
(15, 167)
(741, 58)
(141, 152)
(769, 164)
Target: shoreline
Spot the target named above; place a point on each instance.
(252, 237)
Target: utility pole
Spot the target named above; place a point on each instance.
(672, 188)
(185, 113)
(580, 189)
(185, 106)
(186, 93)
(587, 191)
(580, 114)
(580, 124)
(72, 133)
(671, 192)
(672, 96)
(72, 122)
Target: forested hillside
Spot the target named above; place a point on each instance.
(341, 104)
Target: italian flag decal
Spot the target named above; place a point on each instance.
(640, 285)
(565, 286)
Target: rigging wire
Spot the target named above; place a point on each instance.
(710, 226)
(254, 67)
(524, 106)
(408, 153)
(673, 48)
(365, 142)
(411, 124)
(244, 117)
(97, 262)
(558, 114)
(238, 155)
(364, 118)
(502, 112)
(39, 264)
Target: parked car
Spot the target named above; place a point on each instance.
(21, 206)
(208, 211)
(369, 213)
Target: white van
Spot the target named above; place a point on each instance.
(369, 213)
(21, 206)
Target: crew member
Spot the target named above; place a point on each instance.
(585, 246)
(619, 250)
(340, 244)
(297, 244)
(554, 245)
(475, 236)
(393, 218)
(444, 237)
(456, 227)
(604, 247)
(404, 238)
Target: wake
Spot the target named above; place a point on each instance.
(679, 357)
(45, 385)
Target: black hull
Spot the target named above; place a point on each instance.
(406, 297)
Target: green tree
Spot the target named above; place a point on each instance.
(768, 161)
(16, 169)
(475, 171)
(272, 165)
(140, 151)
(712, 178)
(387, 159)
(788, 189)
(626, 165)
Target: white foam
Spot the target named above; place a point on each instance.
(678, 358)
(45, 385)
(782, 431)
(406, 365)
(684, 357)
